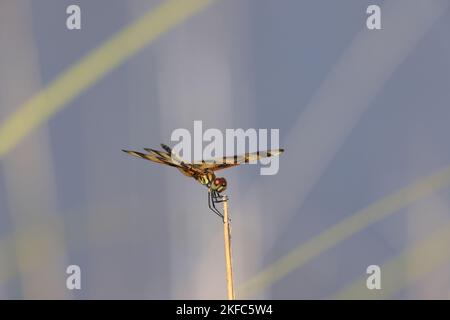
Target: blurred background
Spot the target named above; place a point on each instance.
(363, 115)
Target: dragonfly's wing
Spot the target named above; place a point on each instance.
(164, 157)
(186, 168)
(159, 154)
(167, 154)
(228, 162)
(173, 158)
(152, 157)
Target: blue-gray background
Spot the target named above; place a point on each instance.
(361, 115)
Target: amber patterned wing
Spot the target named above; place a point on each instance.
(167, 158)
(228, 162)
(151, 157)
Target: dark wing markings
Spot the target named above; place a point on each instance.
(232, 161)
(151, 157)
(164, 158)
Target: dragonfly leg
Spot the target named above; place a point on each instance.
(212, 206)
(218, 198)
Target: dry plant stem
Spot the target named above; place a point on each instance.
(228, 260)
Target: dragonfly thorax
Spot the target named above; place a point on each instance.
(210, 180)
(207, 178)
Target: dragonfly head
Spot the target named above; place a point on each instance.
(219, 184)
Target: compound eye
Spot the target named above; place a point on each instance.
(224, 182)
(217, 181)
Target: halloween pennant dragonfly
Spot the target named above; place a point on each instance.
(203, 171)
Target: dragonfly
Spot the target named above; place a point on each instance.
(204, 170)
